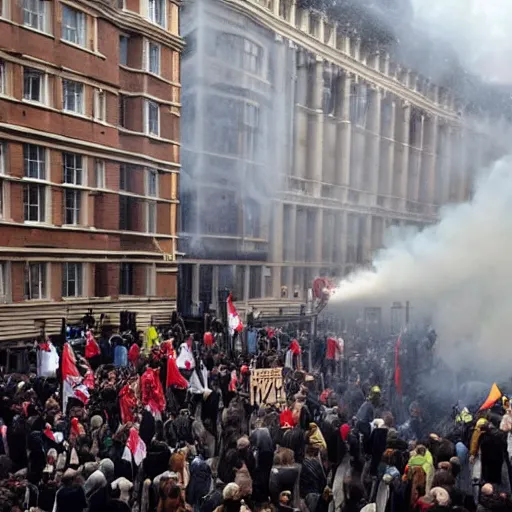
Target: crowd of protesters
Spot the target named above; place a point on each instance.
(167, 426)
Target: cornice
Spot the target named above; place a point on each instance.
(279, 26)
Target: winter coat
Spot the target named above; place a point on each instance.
(244, 481)
(426, 463)
(492, 451)
(200, 481)
(285, 478)
(312, 477)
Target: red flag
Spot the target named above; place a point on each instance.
(92, 348)
(398, 371)
(152, 390)
(174, 377)
(135, 447)
(234, 321)
(134, 354)
(70, 374)
(127, 403)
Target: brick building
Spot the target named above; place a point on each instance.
(89, 160)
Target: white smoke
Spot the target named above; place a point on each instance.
(458, 271)
(478, 30)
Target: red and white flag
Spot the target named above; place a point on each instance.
(70, 375)
(235, 323)
(135, 447)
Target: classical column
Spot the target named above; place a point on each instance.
(367, 239)
(447, 163)
(404, 164)
(389, 153)
(215, 286)
(247, 282)
(340, 239)
(277, 246)
(291, 230)
(275, 6)
(415, 156)
(301, 119)
(429, 159)
(319, 235)
(315, 147)
(293, 10)
(344, 134)
(195, 287)
(373, 143)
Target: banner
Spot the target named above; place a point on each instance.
(267, 387)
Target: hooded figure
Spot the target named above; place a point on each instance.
(200, 481)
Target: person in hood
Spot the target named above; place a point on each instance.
(200, 482)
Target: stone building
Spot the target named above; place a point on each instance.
(304, 138)
(89, 161)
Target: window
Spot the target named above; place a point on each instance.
(73, 96)
(123, 50)
(73, 26)
(120, 4)
(2, 158)
(35, 281)
(151, 217)
(34, 202)
(151, 183)
(34, 161)
(122, 111)
(156, 12)
(73, 169)
(126, 279)
(73, 174)
(126, 208)
(99, 173)
(35, 15)
(240, 52)
(251, 122)
(33, 85)
(100, 105)
(72, 280)
(153, 58)
(3, 89)
(3, 282)
(125, 178)
(152, 118)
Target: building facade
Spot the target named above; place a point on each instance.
(347, 142)
(89, 161)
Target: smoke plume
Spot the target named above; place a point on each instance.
(477, 30)
(458, 271)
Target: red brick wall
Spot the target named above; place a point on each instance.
(166, 284)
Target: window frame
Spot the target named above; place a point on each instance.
(42, 85)
(75, 210)
(76, 271)
(42, 281)
(81, 19)
(66, 83)
(41, 163)
(99, 171)
(42, 17)
(100, 105)
(149, 191)
(41, 203)
(149, 104)
(151, 217)
(3, 77)
(74, 163)
(123, 52)
(152, 13)
(126, 270)
(4, 280)
(155, 70)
